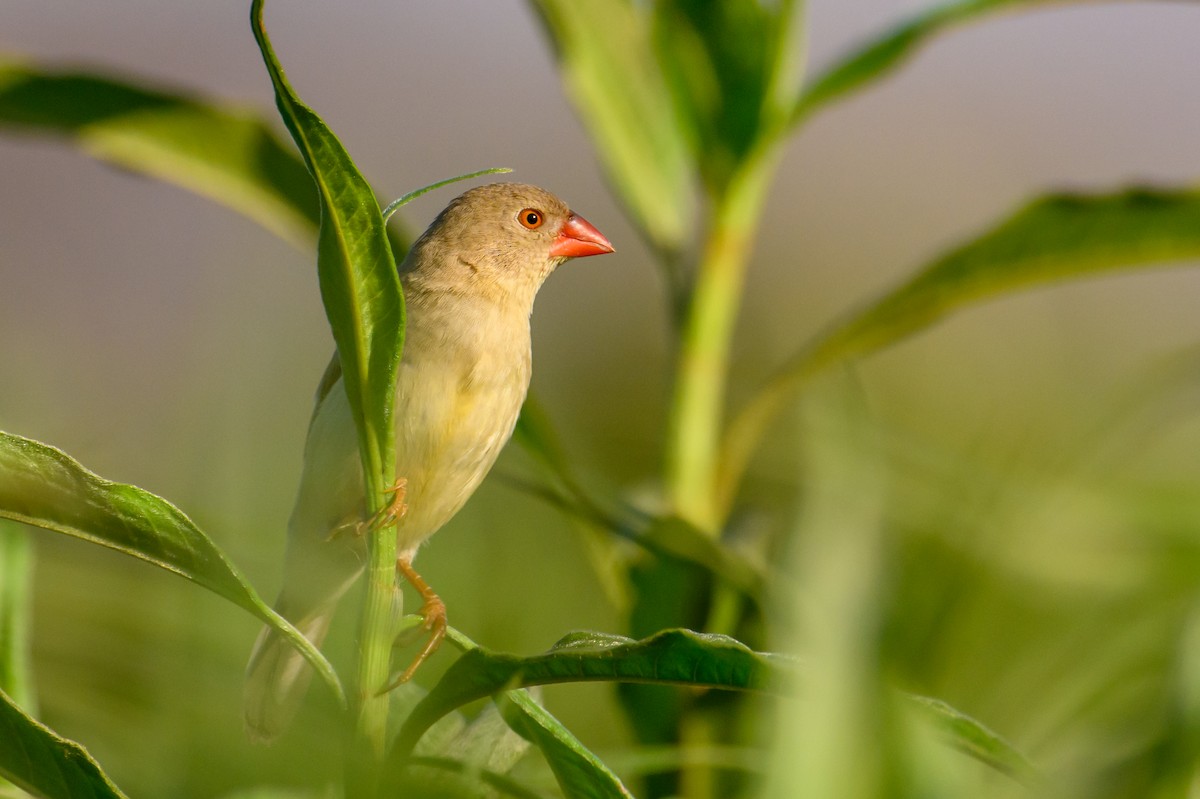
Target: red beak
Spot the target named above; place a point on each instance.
(579, 238)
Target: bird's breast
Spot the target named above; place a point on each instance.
(461, 385)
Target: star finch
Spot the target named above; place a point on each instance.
(469, 284)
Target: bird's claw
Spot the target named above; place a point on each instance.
(392, 512)
(433, 610)
(386, 516)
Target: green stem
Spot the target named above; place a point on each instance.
(702, 370)
(16, 576)
(377, 629)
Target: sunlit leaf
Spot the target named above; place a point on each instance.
(457, 757)
(400, 202)
(360, 289)
(974, 738)
(359, 284)
(42, 762)
(1054, 238)
(878, 57)
(732, 69)
(501, 784)
(278, 792)
(678, 657)
(45, 487)
(605, 57)
(220, 151)
(580, 774)
(228, 155)
(578, 771)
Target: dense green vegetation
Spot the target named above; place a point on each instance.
(877, 617)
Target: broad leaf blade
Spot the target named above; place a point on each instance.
(676, 657)
(1052, 239)
(228, 155)
(360, 287)
(580, 774)
(40, 761)
(732, 70)
(675, 538)
(578, 771)
(880, 56)
(476, 778)
(45, 487)
(606, 60)
(536, 435)
(974, 738)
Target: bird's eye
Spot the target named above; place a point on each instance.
(531, 218)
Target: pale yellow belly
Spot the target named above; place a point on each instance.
(451, 424)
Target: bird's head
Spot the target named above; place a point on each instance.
(503, 238)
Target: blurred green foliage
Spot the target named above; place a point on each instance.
(1043, 581)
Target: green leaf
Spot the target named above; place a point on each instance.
(397, 204)
(228, 155)
(665, 591)
(44, 487)
(877, 58)
(578, 771)
(732, 69)
(664, 536)
(500, 784)
(674, 537)
(1053, 238)
(676, 657)
(273, 792)
(40, 761)
(580, 774)
(606, 60)
(974, 738)
(224, 153)
(16, 576)
(536, 435)
(359, 284)
(360, 289)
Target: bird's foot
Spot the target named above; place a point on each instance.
(394, 511)
(433, 610)
(389, 514)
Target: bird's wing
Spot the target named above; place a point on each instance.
(333, 373)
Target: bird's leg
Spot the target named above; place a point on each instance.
(434, 611)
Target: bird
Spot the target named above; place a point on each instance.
(469, 283)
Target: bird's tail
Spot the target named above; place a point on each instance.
(277, 677)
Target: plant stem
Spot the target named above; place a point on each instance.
(697, 408)
(377, 628)
(16, 577)
(378, 625)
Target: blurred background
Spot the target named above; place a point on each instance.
(1045, 509)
